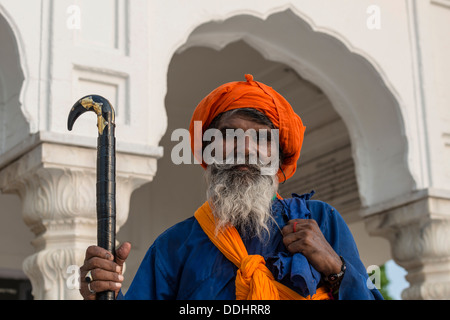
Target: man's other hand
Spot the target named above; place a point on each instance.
(304, 236)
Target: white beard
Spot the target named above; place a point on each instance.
(241, 198)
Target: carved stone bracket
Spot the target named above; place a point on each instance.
(419, 234)
(57, 187)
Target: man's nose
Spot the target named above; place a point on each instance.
(250, 147)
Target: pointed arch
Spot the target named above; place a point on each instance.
(356, 86)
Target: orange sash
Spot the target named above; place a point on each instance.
(254, 281)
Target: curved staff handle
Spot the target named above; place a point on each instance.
(106, 171)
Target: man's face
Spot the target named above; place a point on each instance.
(238, 193)
(242, 137)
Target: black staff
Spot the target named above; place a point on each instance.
(106, 171)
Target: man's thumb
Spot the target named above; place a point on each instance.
(122, 253)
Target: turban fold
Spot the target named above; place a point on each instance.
(256, 95)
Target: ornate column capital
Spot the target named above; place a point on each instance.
(419, 234)
(57, 187)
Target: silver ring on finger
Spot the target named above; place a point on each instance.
(89, 288)
(88, 278)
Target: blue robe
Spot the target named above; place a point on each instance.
(184, 264)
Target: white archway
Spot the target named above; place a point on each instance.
(14, 121)
(354, 86)
(353, 83)
(13, 128)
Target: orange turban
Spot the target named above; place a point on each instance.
(256, 95)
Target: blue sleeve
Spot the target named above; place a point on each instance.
(354, 285)
(150, 281)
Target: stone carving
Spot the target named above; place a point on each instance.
(419, 233)
(59, 207)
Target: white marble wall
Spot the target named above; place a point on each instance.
(382, 64)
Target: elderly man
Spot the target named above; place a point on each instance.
(245, 241)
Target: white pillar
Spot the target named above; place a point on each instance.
(419, 232)
(57, 186)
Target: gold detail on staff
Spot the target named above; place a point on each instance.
(88, 103)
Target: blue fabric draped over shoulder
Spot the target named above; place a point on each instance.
(184, 264)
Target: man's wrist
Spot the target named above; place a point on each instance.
(335, 277)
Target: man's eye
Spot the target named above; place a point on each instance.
(229, 134)
(263, 137)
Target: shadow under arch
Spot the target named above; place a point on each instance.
(14, 128)
(14, 121)
(354, 84)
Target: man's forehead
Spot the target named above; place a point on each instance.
(240, 121)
